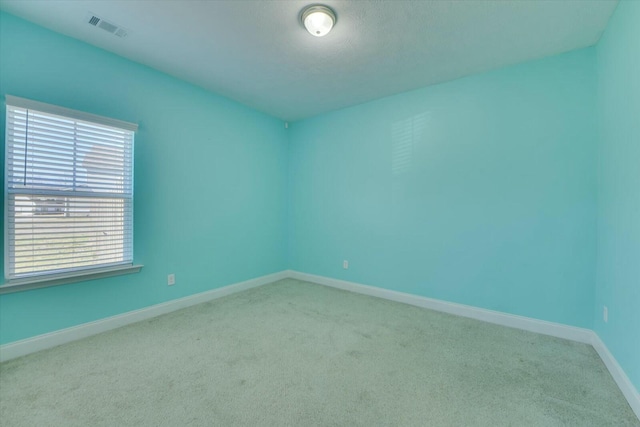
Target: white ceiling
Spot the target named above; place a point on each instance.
(258, 53)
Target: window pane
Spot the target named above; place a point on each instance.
(70, 201)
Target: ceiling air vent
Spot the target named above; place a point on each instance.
(105, 25)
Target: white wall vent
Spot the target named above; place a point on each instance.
(109, 27)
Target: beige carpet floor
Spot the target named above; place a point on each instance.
(297, 354)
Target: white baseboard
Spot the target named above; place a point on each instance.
(53, 339)
(511, 320)
(559, 330)
(618, 374)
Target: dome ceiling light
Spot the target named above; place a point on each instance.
(318, 20)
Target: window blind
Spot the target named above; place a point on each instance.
(69, 191)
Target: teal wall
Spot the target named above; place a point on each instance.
(210, 179)
(480, 191)
(502, 190)
(618, 278)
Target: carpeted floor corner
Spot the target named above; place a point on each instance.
(298, 354)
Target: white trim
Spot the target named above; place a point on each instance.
(559, 330)
(511, 320)
(30, 104)
(45, 280)
(53, 339)
(618, 374)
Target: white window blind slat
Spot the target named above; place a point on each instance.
(45, 144)
(69, 190)
(50, 164)
(72, 204)
(86, 142)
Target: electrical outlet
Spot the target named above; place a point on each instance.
(345, 264)
(171, 279)
(605, 314)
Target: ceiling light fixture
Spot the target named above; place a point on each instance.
(318, 20)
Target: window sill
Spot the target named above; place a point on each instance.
(18, 285)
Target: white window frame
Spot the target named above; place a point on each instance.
(43, 279)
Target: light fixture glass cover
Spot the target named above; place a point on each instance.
(318, 20)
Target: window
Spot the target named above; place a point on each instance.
(68, 192)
